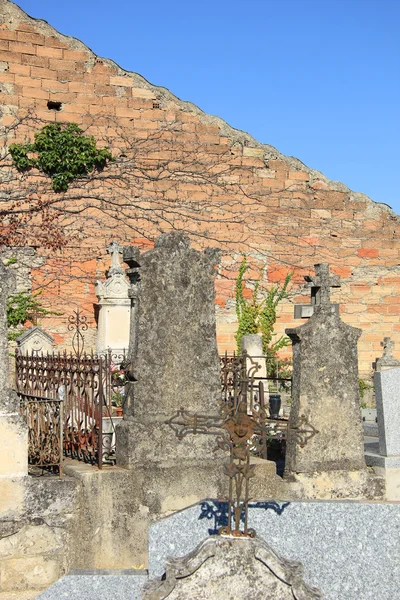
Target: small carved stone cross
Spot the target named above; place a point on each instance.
(388, 347)
(321, 284)
(115, 250)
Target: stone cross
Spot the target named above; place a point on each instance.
(388, 346)
(115, 250)
(387, 360)
(238, 429)
(320, 285)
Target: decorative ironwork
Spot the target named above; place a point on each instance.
(87, 387)
(242, 425)
(45, 432)
(77, 322)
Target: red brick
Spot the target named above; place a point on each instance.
(49, 52)
(368, 252)
(23, 48)
(55, 42)
(10, 57)
(43, 73)
(75, 55)
(5, 34)
(34, 38)
(30, 92)
(19, 69)
(64, 65)
(35, 61)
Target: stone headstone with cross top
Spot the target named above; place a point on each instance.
(114, 306)
(319, 285)
(325, 387)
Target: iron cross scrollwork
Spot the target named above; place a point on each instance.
(241, 424)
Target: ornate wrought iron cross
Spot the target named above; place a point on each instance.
(242, 424)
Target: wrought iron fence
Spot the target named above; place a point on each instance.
(44, 418)
(87, 386)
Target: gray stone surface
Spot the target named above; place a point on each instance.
(325, 390)
(175, 353)
(387, 391)
(228, 568)
(96, 585)
(349, 550)
(7, 286)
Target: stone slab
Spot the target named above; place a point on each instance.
(349, 550)
(96, 584)
(387, 385)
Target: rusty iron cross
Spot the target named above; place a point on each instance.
(241, 425)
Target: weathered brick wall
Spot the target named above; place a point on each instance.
(178, 167)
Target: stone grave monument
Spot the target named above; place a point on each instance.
(173, 363)
(326, 396)
(385, 454)
(114, 306)
(35, 340)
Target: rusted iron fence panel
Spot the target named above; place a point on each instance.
(86, 385)
(44, 418)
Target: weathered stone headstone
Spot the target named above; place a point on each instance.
(325, 390)
(174, 364)
(231, 569)
(35, 340)
(114, 306)
(385, 455)
(13, 431)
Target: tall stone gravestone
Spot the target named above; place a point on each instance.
(114, 306)
(13, 431)
(385, 456)
(325, 393)
(173, 364)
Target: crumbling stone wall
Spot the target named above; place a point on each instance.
(179, 168)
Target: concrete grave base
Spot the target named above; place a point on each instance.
(360, 484)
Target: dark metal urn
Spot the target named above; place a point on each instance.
(274, 405)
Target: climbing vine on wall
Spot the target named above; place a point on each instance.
(61, 151)
(257, 315)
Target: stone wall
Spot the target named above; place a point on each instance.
(178, 167)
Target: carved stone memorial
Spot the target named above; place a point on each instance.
(231, 568)
(325, 389)
(114, 306)
(35, 340)
(173, 363)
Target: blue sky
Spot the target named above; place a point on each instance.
(317, 79)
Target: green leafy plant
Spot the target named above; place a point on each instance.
(259, 315)
(62, 152)
(23, 307)
(363, 386)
